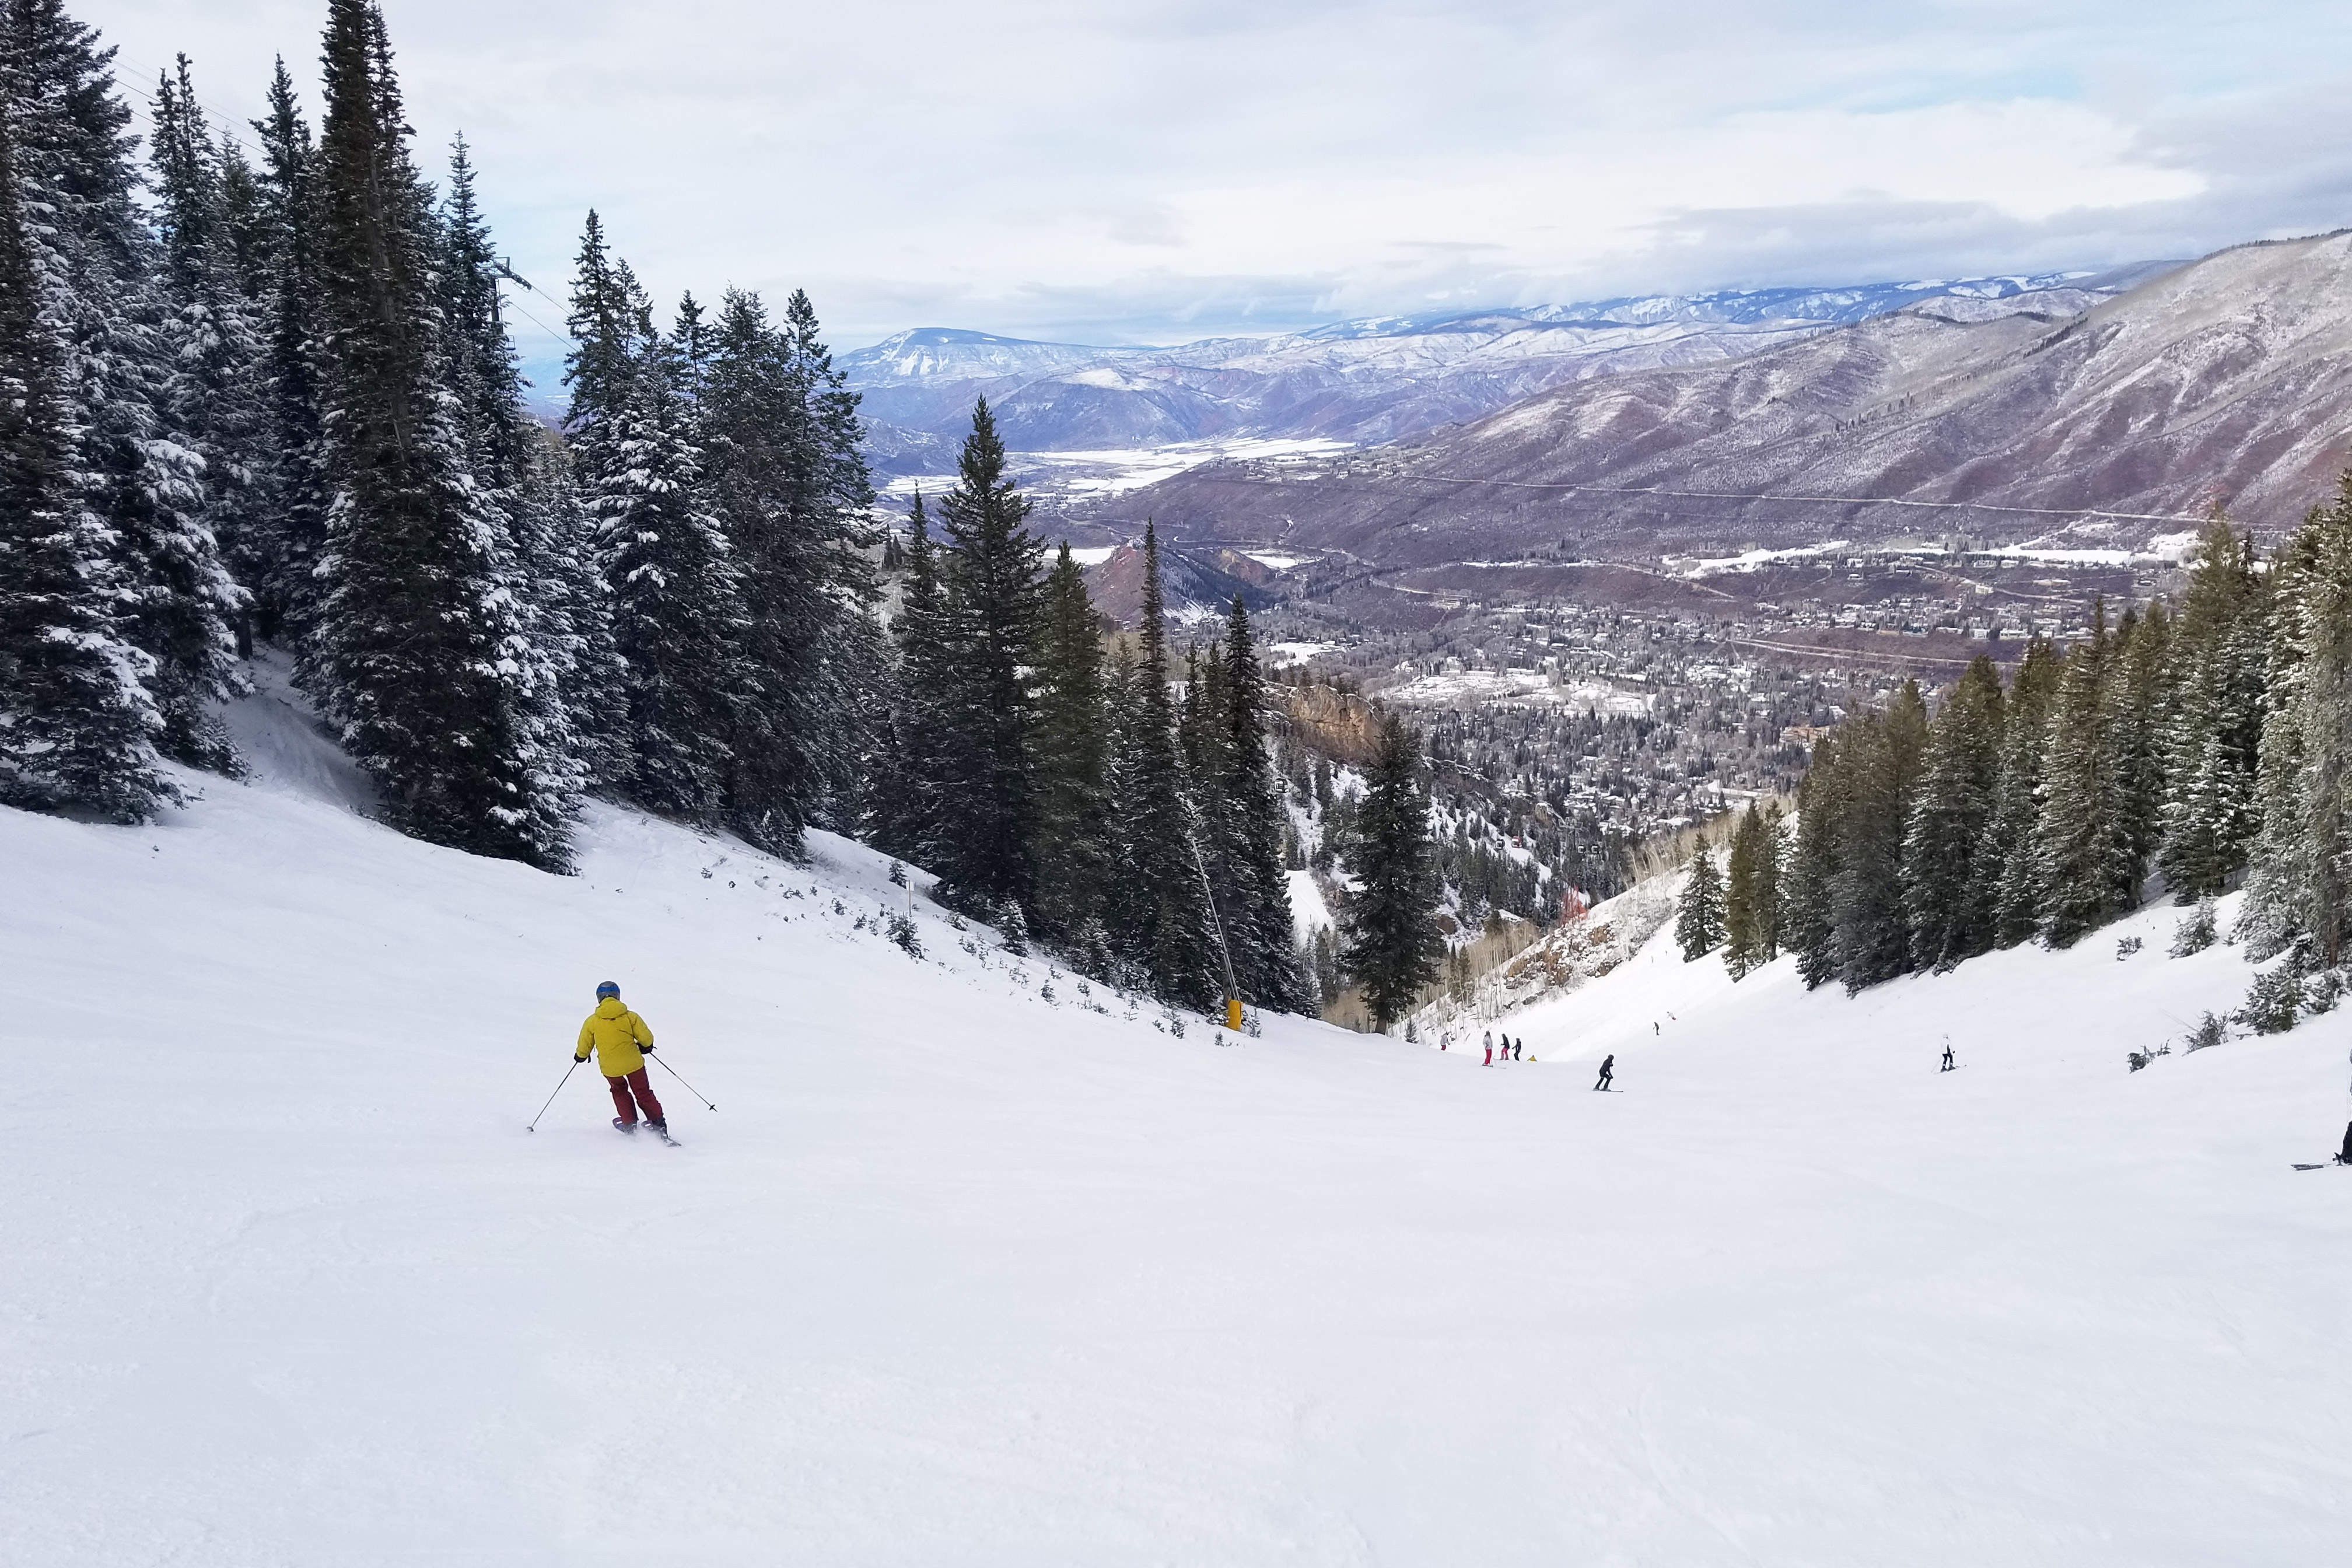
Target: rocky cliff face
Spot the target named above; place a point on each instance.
(2226, 382)
(1333, 722)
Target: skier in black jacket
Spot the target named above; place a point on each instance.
(1608, 1071)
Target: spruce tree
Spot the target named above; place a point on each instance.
(217, 393)
(76, 725)
(1751, 913)
(676, 595)
(1698, 917)
(1816, 860)
(1884, 758)
(2137, 707)
(137, 472)
(2008, 866)
(1258, 919)
(1163, 925)
(1950, 912)
(1071, 855)
(411, 656)
(1393, 949)
(290, 536)
(2298, 884)
(780, 435)
(2212, 738)
(2075, 832)
(909, 799)
(559, 664)
(992, 576)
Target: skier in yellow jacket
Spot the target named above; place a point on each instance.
(622, 1042)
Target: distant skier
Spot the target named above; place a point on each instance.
(2346, 1157)
(1490, 1049)
(1608, 1072)
(621, 1041)
(1948, 1063)
(1519, 1048)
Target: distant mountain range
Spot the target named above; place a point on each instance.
(1998, 417)
(1375, 379)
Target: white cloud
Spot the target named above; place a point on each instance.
(1156, 171)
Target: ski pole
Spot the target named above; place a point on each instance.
(689, 1088)
(559, 1089)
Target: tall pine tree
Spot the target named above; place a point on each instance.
(1393, 949)
(2008, 866)
(1949, 909)
(676, 593)
(76, 725)
(1160, 921)
(418, 614)
(1257, 916)
(1072, 854)
(2213, 740)
(2299, 884)
(993, 584)
(1698, 917)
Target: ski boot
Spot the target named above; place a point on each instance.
(628, 1127)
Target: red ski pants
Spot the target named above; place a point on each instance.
(623, 1088)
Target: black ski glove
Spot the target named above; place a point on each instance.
(577, 1060)
(647, 1049)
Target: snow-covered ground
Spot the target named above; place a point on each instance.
(958, 1275)
(1114, 473)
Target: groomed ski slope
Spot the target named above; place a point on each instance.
(956, 1276)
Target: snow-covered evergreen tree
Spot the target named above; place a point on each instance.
(1751, 893)
(1698, 914)
(2076, 844)
(675, 598)
(555, 656)
(1259, 925)
(411, 653)
(282, 556)
(218, 391)
(2212, 739)
(2299, 883)
(137, 473)
(1160, 922)
(2008, 866)
(76, 724)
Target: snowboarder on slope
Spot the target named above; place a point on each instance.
(621, 1041)
(1608, 1071)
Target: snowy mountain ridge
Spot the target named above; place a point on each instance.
(961, 1271)
(2223, 380)
(1374, 378)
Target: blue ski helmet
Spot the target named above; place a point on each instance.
(610, 988)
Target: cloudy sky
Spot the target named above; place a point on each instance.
(1099, 171)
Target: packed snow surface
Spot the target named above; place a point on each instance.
(958, 1275)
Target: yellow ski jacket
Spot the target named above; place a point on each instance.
(617, 1033)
